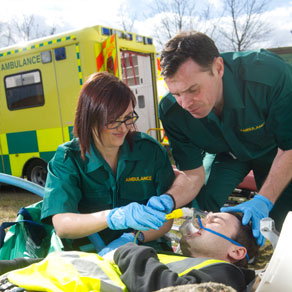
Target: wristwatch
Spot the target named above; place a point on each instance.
(140, 237)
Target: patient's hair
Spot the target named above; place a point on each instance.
(244, 237)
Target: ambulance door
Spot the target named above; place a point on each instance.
(69, 81)
(29, 110)
(137, 74)
(3, 143)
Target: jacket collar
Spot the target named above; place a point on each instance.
(95, 159)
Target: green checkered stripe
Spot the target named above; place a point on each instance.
(79, 65)
(24, 142)
(5, 164)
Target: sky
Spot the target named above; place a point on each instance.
(75, 14)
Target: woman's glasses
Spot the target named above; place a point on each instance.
(128, 121)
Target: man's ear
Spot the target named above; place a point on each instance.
(218, 65)
(237, 253)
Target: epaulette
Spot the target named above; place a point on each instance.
(72, 144)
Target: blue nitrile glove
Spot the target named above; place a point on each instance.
(136, 216)
(163, 203)
(125, 238)
(255, 209)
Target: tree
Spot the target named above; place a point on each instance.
(24, 29)
(2, 32)
(32, 27)
(126, 19)
(245, 25)
(179, 15)
(9, 36)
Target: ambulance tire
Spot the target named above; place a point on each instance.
(37, 172)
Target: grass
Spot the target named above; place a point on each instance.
(12, 199)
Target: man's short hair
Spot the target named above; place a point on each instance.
(245, 237)
(185, 45)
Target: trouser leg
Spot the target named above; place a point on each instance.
(17, 263)
(223, 174)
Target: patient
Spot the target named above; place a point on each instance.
(217, 252)
(143, 270)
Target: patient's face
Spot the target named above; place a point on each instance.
(206, 244)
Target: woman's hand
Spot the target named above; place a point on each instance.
(136, 216)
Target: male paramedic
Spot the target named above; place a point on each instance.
(226, 115)
(216, 248)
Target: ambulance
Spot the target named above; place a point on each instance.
(39, 86)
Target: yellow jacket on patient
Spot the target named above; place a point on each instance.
(69, 271)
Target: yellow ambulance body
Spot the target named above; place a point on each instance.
(40, 83)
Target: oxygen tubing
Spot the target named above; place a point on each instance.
(22, 183)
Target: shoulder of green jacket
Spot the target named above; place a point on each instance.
(69, 149)
(166, 103)
(144, 139)
(259, 66)
(71, 145)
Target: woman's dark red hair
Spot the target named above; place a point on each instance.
(103, 98)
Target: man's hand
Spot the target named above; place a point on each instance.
(136, 216)
(163, 203)
(255, 210)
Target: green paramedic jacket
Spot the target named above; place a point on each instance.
(138, 268)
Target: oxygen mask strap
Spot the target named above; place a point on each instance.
(221, 235)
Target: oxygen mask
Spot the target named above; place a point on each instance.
(196, 223)
(193, 223)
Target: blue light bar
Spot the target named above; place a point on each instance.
(128, 36)
(149, 41)
(105, 31)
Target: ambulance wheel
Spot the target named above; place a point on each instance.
(37, 172)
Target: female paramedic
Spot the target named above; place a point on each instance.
(101, 180)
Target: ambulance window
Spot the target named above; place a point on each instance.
(130, 68)
(24, 90)
(60, 54)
